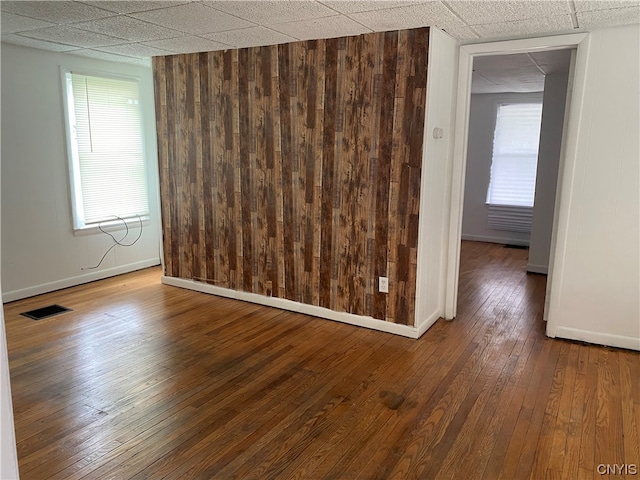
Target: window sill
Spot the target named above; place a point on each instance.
(112, 226)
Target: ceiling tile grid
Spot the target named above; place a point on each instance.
(16, 23)
(325, 27)
(128, 28)
(193, 18)
(267, 13)
(250, 37)
(132, 31)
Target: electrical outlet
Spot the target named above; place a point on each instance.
(383, 284)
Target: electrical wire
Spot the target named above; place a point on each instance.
(116, 241)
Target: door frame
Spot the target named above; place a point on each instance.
(579, 41)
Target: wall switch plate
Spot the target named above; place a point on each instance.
(383, 284)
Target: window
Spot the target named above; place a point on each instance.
(105, 140)
(513, 167)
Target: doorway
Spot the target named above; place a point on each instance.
(467, 55)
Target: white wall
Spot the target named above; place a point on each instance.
(596, 269)
(435, 191)
(553, 106)
(482, 122)
(39, 249)
(8, 451)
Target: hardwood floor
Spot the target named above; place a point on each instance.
(143, 380)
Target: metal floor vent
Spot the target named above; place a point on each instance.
(517, 247)
(45, 312)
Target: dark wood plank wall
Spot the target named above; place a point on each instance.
(294, 170)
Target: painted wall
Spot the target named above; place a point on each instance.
(294, 171)
(39, 249)
(435, 196)
(8, 450)
(482, 124)
(596, 279)
(553, 107)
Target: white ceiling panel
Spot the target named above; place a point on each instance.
(250, 37)
(354, 6)
(517, 73)
(432, 13)
(111, 57)
(193, 18)
(55, 12)
(16, 23)
(554, 61)
(137, 50)
(588, 5)
(478, 13)
(123, 6)
(268, 12)
(602, 18)
(182, 26)
(561, 23)
(72, 36)
(327, 27)
(189, 44)
(128, 28)
(15, 39)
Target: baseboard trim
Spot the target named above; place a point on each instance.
(290, 305)
(543, 269)
(501, 240)
(428, 322)
(630, 343)
(14, 295)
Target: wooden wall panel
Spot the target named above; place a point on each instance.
(294, 170)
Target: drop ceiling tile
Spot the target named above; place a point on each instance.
(608, 18)
(35, 43)
(121, 6)
(461, 31)
(137, 50)
(193, 18)
(479, 84)
(188, 44)
(55, 12)
(561, 23)
(250, 37)
(427, 14)
(88, 52)
(16, 23)
(72, 36)
(354, 6)
(589, 5)
(553, 61)
(128, 28)
(478, 13)
(327, 27)
(99, 55)
(504, 65)
(268, 12)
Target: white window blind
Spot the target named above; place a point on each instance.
(515, 155)
(108, 165)
(513, 167)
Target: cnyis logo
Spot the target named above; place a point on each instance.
(617, 469)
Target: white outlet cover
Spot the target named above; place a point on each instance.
(383, 284)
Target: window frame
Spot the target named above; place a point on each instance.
(511, 218)
(79, 226)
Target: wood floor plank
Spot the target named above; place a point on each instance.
(143, 380)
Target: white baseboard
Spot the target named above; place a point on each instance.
(598, 338)
(426, 324)
(313, 310)
(78, 280)
(501, 240)
(544, 269)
